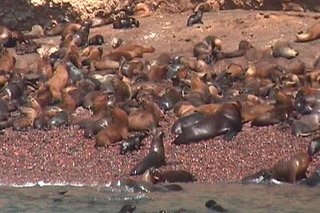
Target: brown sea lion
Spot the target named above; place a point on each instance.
(283, 49)
(156, 156)
(70, 29)
(142, 10)
(312, 33)
(129, 52)
(114, 132)
(7, 60)
(296, 167)
(25, 121)
(227, 120)
(58, 81)
(145, 119)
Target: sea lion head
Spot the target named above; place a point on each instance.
(314, 146)
(157, 142)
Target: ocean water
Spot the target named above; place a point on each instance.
(233, 197)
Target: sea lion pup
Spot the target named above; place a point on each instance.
(127, 208)
(129, 52)
(145, 119)
(155, 176)
(70, 29)
(96, 40)
(244, 46)
(283, 49)
(132, 143)
(142, 10)
(59, 80)
(226, 120)
(159, 67)
(116, 131)
(296, 167)
(207, 49)
(25, 121)
(169, 98)
(7, 60)
(214, 206)
(80, 37)
(195, 18)
(125, 23)
(311, 34)
(156, 156)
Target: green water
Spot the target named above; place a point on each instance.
(233, 197)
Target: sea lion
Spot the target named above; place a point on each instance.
(313, 179)
(186, 121)
(25, 121)
(7, 60)
(227, 120)
(283, 49)
(60, 119)
(96, 40)
(214, 206)
(169, 99)
(156, 156)
(70, 29)
(131, 144)
(127, 208)
(142, 10)
(59, 80)
(114, 132)
(125, 23)
(296, 167)
(156, 176)
(145, 119)
(95, 126)
(207, 49)
(311, 34)
(80, 37)
(195, 18)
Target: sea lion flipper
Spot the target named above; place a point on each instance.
(229, 135)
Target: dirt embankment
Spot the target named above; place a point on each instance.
(22, 14)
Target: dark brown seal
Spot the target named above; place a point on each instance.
(156, 156)
(226, 120)
(131, 144)
(125, 23)
(195, 18)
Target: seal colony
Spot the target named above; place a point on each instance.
(130, 95)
